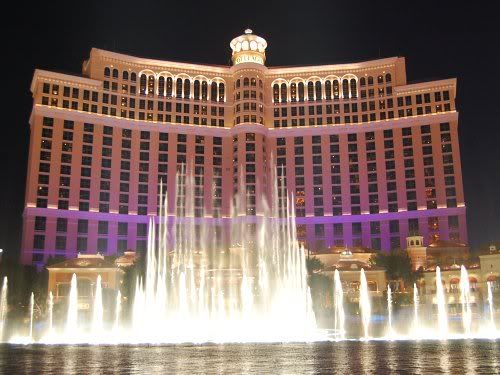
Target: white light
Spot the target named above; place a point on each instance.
(238, 47)
(244, 45)
(253, 45)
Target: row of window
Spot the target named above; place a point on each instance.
(339, 234)
(163, 85)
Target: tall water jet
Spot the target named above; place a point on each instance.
(118, 311)
(338, 300)
(389, 310)
(32, 308)
(465, 300)
(416, 322)
(441, 306)
(3, 307)
(196, 289)
(98, 311)
(50, 306)
(72, 317)
(490, 305)
(364, 303)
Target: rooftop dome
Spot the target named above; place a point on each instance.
(248, 48)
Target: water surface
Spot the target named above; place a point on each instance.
(347, 357)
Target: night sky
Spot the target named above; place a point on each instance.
(439, 40)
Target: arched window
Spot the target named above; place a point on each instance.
(354, 89)
(178, 88)
(328, 90)
(336, 89)
(133, 77)
(204, 90)
(151, 85)
(142, 84)
(310, 91)
(380, 79)
(283, 93)
(370, 80)
(161, 86)
(301, 91)
(388, 78)
(246, 81)
(196, 89)
(345, 89)
(213, 91)
(125, 75)
(253, 82)
(238, 82)
(319, 95)
(115, 73)
(362, 81)
(221, 92)
(276, 93)
(169, 87)
(293, 92)
(106, 72)
(187, 88)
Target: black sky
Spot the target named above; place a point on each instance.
(439, 39)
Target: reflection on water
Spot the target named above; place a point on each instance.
(444, 359)
(375, 357)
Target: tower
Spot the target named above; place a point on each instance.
(250, 161)
(416, 251)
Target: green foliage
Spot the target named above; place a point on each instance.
(313, 265)
(127, 289)
(397, 264)
(321, 291)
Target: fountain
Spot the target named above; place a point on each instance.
(416, 322)
(441, 306)
(51, 313)
(389, 311)
(338, 300)
(195, 289)
(72, 319)
(3, 307)
(118, 310)
(32, 308)
(364, 304)
(491, 306)
(465, 300)
(98, 311)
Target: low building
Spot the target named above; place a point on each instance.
(480, 273)
(349, 263)
(442, 253)
(86, 267)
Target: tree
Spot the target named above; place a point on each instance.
(313, 265)
(397, 264)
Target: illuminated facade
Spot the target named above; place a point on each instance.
(368, 157)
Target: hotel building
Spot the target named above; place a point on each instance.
(368, 157)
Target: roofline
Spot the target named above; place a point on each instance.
(223, 69)
(41, 74)
(412, 87)
(389, 61)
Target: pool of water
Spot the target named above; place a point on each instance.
(347, 357)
